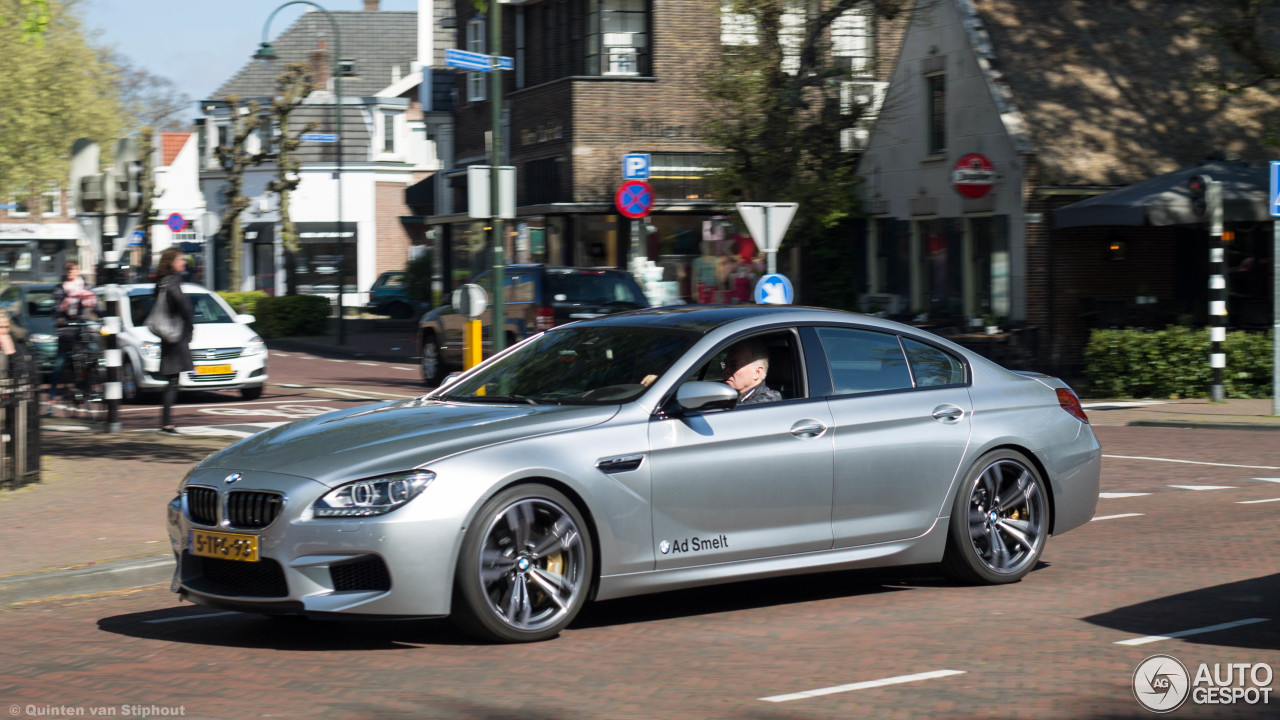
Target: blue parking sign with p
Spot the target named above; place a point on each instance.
(635, 166)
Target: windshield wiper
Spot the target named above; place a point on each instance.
(496, 399)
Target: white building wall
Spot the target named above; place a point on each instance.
(902, 179)
(178, 190)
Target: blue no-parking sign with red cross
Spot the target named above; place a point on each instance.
(634, 199)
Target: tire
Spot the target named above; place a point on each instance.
(429, 360)
(525, 566)
(128, 383)
(995, 544)
(399, 311)
(251, 393)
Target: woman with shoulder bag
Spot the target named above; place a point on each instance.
(175, 356)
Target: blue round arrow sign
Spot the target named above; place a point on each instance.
(774, 289)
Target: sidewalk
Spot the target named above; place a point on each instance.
(97, 520)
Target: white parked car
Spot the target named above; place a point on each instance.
(228, 354)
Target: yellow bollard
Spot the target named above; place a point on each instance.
(471, 344)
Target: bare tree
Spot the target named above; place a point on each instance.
(235, 159)
(293, 86)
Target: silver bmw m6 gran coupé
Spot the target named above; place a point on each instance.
(608, 458)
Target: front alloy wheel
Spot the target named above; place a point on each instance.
(525, 566)
(429, 360)
(1000, 521)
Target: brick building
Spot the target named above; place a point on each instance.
(594, 80)
(1041, 104)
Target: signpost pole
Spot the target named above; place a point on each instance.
(771, 255)
(499, 330)
(1275, 288)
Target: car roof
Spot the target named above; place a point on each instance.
(705, 318)
(149, 288)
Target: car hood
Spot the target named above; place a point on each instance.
(388, 437)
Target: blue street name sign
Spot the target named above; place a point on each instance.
(320, 137)
(635, 166)
(479, 62)
(774, 289)
(1275, 190)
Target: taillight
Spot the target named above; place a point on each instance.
(1071, 404)
(545, 320)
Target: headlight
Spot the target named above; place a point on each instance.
(255, 346)
(150, 350)
(375, 496)
(43, 338)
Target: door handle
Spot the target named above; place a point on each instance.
(808, 429)
(947, 413)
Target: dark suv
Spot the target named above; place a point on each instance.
(537, 298)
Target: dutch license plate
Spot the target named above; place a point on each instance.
(227, 546)
(213, 369)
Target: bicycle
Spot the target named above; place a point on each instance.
(85, 393)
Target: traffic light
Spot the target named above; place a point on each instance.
(86, 182)
(1199, 187)
(125, 179)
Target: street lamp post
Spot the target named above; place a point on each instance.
(266, 52)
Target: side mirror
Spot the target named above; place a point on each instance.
(450, 378)
(702, 395)
(246, 319)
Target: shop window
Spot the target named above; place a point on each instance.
(50, 203)
(990, 265)
(682, 176)
(542, 181)
(936, 87)
(617, 37)
(22, 205)
(941, 267)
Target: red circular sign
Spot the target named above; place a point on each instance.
(973, 176)
(634, 198)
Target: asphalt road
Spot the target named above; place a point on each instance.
(1180, 560)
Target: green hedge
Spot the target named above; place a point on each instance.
(243, 302)
(292, 315)
(1174, 363)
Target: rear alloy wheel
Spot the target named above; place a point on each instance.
(129, 391)
(525, 566)
(999, 522)
(430, 360)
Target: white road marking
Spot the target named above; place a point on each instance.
(1193, 631)
(1191, 462)
(862, 685)
(192, 617)
(1113, 517)
(1113, 496)
(401, 367)
(280, 354)
(226, 404)
(371, 364)
(1121, 404)
(293, 412)
(1274, 480)
(336, 360)
(1255, 502)
(1203, 487)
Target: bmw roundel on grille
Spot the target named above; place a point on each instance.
(233, 477)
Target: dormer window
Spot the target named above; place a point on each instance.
(617, 37)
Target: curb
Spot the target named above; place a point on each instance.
(1208, 425)
(85, 580)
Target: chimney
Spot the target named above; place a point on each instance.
(371, 5)
(318, 60)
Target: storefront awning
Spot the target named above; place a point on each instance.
(1166, 199)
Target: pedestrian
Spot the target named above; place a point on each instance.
(175, 357)
(15, 358)
(74, 304)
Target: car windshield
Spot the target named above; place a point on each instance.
(40, 304)
(203, 307)
(587, 286)
(576, 366)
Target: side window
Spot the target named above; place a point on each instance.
(864, 361)
(933, 367)
(783, 373)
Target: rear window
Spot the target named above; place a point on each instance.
(592, 287)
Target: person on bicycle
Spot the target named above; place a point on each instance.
(74, 305)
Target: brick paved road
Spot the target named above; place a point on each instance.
(1043, 648)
